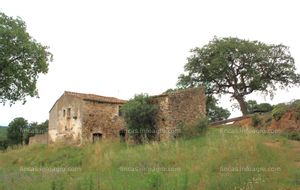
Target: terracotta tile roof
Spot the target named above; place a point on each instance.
(97, 98)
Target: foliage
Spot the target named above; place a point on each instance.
(239, 67)
(253, 106)
(3, 131)
(139, 115)
(22, 59)
(264, 107)
(3, 144)
(294, 136)
(202, 125)
(214, 112)
(296, 108)
(268, 120)
(35, 128)
(38, 128)
(100, 165)
(189, 131)
(278, 111)
(256, 121)
(16, 132)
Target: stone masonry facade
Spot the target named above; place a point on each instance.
(78, 118)
(179, 107)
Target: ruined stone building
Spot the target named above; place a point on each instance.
(179, 107)
(81, 118)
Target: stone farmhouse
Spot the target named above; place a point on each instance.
(79, 118)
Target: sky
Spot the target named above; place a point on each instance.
(120, 48)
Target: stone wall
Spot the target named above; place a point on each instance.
(182, 106)
(102, 118)
(65, 120)
(78, 118)
(39, 139)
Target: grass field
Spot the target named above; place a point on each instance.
(225, 158)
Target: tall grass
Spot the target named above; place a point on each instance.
(205, 162)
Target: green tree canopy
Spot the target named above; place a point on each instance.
(215, 112)
(139, 115)
(240, 67)
(253, 106)
(16, 132)
(22, 58)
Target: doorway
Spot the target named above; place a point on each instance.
(122, 134)
(97, 137)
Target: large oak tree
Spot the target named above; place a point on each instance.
(240, 67)
(22, 59)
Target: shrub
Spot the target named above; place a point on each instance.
(253, 107)
(278, 111)
(214, 112)
(189, 131)
(296, 107)
(3, 145)
(294, 136)
(185, 131)
(264, 107)
(255, 120)
(139, 115)
(268, 121)
(202, 125)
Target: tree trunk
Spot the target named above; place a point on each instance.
(242, 104)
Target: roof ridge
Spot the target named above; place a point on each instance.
(94, 97)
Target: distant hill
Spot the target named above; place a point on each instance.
(3, 131)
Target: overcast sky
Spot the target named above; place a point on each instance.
(123, 47)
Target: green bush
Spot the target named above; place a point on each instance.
(253, 106)
(189, 131)
(296, 108)
(202, 125)
(279, 111)
(3, 145)
(294, 136)
(255, 120)
(264, 107)
(268, 120)
(139, 115)
(185, 131)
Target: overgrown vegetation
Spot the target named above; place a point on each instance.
(3, 138)
(3, 133)
(215, 112)
(19, 131)
(279, 110)
(189, 131)
(207, 162)
(256, 120)
(295, 106)
(253, 106)
(139, 115)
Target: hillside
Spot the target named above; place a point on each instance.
(225, 158)
(3, 132)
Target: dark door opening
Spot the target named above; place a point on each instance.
(122, 134)
(97, 137)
